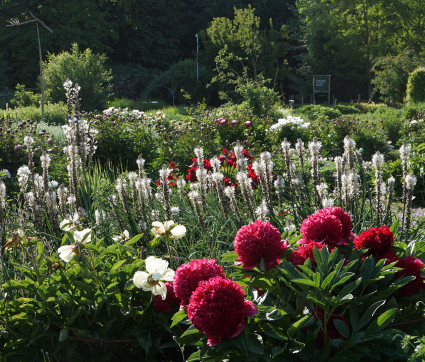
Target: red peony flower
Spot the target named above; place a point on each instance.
(219, 309)
(188, 276)
(260, 239)
(167, 304)
(411, 266)
(305, 251)
(331, 225)
(378, 240)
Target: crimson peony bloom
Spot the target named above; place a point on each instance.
(331, 225)
(411, 266)
(167, 304)
(378, 240)
(304, 251)
(188, 276)
(256, 240)
(219, 309)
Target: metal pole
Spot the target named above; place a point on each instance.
(197, 57)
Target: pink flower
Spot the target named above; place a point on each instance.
(167, 304)
(378, 240)
(248, 124)
(234, 122)
(257, 240)
(411, 266)
(331, 225)
(188, 276)
(219, 309)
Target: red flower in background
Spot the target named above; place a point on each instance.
(304, 251)
(188, 276)
(378, 240)
(256, 240)
(219, 309)
(331, 225)
(167, 304)
(411, 266)
(191, 172)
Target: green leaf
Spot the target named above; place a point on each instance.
(63, 335)
(382, 321)
(316, 279)
(229, 257)
(116, 266)
(342, 328)
(298, 324)
(178, 317)
(328, 279)
(196, 356)
(40, 249)
(133, 240)
(349, 288)
(394, 227)
(367, 316)
(274, 332)
(190, 335)
(367, 268)
(305, 282)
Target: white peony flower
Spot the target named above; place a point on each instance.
(125, 235)
(157, 272)
(67, 252)
(69, 224)
(175, 232)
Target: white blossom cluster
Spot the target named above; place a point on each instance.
(291, 121)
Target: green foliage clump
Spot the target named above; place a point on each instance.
(25, 98)
(86, 69)
(416, 86)
(54, 113)
(123, 136)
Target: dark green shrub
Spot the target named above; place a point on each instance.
(416, 86)
(86, 69)
(313, 112)
(55, 113)
(391, 74)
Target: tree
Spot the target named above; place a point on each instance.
(245, 53)
(85, 68)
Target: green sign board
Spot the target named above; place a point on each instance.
(321, 83)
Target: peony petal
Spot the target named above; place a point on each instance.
(140, 279)
(168, 275)
(178, 232)
(160, 289)
(168, 224)
(66, 253)
(158, 228)
(83, 236)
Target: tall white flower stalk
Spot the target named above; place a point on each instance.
(245, 184)
(349, 145)
(45, 163)
(196, 202)
(314, 148)
(165, 190)
(2, 201)
(391, 183)
(405, 151)
(230, 193)
(286, 150)
(410, 183)
(377, 162)
(217, 178)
